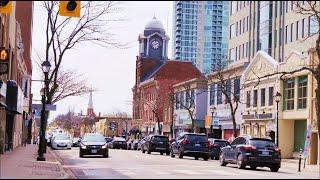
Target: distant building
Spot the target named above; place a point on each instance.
(200, 32)
(155, 75)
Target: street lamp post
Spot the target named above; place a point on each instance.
(277, 98)
(42, 145)
(213, 110)
(172, 124)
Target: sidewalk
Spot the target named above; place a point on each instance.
(22, 164)
(294, 164)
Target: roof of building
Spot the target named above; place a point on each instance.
(154, 24)
(175, 66)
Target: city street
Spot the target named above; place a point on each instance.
(135, 164)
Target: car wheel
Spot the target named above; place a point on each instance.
(149, 152)
(274, 169)
(196, 158)
(206, 158)
(253, 167)
(168, 153)
(180, 154)
(172, 154)
(161, 153)
(240, 163)
(106, 155)
(143, 151)
(222, 161)
(80, 155)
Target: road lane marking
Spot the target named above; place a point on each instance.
(182, 171)
(222, 172)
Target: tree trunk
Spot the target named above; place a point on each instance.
(234, 125)
(159, 129)
(318, 104)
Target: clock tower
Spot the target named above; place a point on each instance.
(153, 42)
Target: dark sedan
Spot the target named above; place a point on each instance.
(118, 143)
(93, 144)
(215, 147)
(254, 152)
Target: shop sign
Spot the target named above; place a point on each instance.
(257, 116)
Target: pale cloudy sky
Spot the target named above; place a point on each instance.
(112, 71)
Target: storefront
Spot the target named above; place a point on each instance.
(259, 125)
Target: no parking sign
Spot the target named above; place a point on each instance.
(307, 142)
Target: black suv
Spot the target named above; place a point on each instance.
(191, 144)
(254, 152)
(156, 143)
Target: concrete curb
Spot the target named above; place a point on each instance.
(69, 173)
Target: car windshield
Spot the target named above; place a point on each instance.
(260, 143)
(160, 138)
(119, 139)
(195, 137)
(62, 138)
(94, 138)
(221, 143)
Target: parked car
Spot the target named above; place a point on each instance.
(129, 143)
(141, 143)
(75, 142)
(191, 144)
(118, 143)
(156, 143)
(254, 152)
(108, 139)
(93, 144)
(61, 142)
(215, 147)
(134, 145)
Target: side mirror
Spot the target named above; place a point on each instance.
(172, 140)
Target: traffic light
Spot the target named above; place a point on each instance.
(4, 61)
(5, 7)
(70, 8)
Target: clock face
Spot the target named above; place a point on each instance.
(155, 44)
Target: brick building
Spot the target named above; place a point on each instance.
(155, 75)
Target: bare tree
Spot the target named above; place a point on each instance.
(64, 34)
(184, 102)
(227, 78)
(311, 8)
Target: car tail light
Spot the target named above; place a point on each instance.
(278, 150)
(207, 143)
(249, 147)
(186, 141)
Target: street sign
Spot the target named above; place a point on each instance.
(215, 122)
(113, 125)
(49, 107)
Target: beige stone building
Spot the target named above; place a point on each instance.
(276, 28)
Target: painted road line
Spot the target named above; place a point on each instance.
(189, 172)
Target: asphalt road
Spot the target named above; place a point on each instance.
(127, 164)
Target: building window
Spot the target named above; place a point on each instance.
(263, 97)
(233, 31)
(286, 40)
(302, 28)
(289, 94)
(270, 96)
(255, 98)
(248, 98)
(177, 101)
(236, 89)
(240, 27)
(219, 94)
(192, 99)
(275, 38)
(228, 89)
(232, 54)
(291, 32)
(297, 30)
(188, 99)
(233, 7)
(212, 94)
(302, 92)
(313, 26)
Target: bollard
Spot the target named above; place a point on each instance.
(300, 154)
